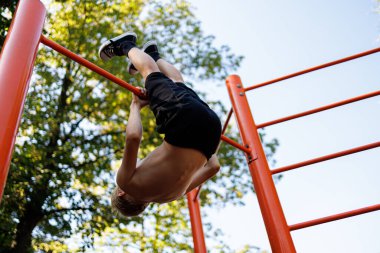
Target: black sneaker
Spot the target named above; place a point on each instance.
(150, 48)
(114, 46)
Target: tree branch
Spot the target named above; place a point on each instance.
(55, 211)
(102, 135)
(75, 126)
(81, 165)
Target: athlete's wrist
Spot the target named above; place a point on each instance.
(135, 105)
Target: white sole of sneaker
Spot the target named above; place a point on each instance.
(105, 57)
(148, 44)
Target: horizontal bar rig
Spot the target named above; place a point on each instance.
(326, 157)
(329, 64)
(334, 217)
(319, 109)
(90, 65)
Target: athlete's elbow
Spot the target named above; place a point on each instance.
(134, 137)
(214, 164)
(215, 168)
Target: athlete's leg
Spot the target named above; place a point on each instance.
(142, 62)
(210, 169)
(125, 45)
(151, 48)
(169, 70)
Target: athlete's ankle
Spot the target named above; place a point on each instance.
(127, 46)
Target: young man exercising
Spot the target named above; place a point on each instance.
(192, 132)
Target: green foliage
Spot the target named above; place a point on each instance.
(72, 133)
(7, 7)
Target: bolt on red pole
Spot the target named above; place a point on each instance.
(274, 219)
(16, 65)
(196, 222)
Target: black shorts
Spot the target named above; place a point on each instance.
(182, 116)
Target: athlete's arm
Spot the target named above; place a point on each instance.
(132, 143)
(206, 172)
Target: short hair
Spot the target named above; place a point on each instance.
(126, 207)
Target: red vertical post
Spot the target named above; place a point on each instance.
(16, 65)
(273, 215)
(196, 222)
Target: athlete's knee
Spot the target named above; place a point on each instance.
(150, 66)
(176, 77)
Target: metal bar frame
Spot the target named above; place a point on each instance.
(224, 129)
(16, 67)
(273, 215)
(235, 144)
(235, 88)
(329, 64)
(335, 217)
(326, 157)
(320, 109)
(196, 222)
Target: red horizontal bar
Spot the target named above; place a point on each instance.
(235, 144)
(90, 65)
(335, 217)
(323, 108)
(326, 157)
(314, 68)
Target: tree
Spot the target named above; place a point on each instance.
(7, 8)
(72, 132)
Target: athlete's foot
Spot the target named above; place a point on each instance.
(151, 49)
(117, 46)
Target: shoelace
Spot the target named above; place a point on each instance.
(110, 51)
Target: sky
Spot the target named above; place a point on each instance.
(281, 37)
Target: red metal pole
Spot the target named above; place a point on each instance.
(329, 64)
(234, 143)
(274, 219)
(327, 157)
(196, 223)
(224, 129)
(16, 66)
(320, 109)
(335, 217)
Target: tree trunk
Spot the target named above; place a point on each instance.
(25, 228)
(33, 213)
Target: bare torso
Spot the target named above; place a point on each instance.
(165, 174)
